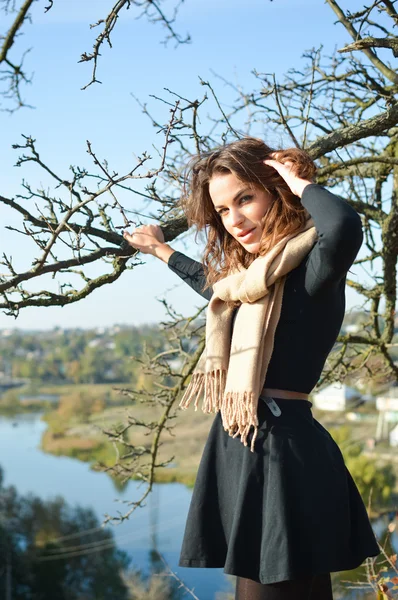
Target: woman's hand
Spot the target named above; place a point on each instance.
(286, 171)
(146, 238)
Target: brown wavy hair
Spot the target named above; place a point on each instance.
(244, 158)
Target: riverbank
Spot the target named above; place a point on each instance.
(76, 426)
(86, 441)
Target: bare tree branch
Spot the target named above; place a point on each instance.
(150, 8)
(382, 67)
(13, 73)
(352, 133)
(143, 462)
(372, 42)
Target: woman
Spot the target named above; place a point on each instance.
(273, 502)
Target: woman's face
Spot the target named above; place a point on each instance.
(241, 207)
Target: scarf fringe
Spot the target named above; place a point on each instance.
(214, 386)
(239, 414)
(238, 409)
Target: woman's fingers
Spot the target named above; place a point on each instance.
(285, 167)
(145, 238)
(272, 163)
(288, 172)
(128, 237)
(138, 237)
(140, 240)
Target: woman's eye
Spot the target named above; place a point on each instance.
(242, 199)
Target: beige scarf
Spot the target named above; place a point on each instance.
(231, 373)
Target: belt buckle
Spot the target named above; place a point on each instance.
(272, 405)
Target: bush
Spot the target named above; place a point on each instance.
(370, 478)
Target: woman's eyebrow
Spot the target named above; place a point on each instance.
(237, 195)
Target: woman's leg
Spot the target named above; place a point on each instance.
(316, 587)
(322, 587)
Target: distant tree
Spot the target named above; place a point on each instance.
(80, 404)
(73, 371)
(375, 483)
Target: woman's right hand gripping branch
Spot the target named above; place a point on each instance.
(149, 239)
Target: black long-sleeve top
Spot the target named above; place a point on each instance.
(313, 302)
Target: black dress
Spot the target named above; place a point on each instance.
(290, 508)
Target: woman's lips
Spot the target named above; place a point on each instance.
(246, 237)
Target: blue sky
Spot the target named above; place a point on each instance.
(229, 37)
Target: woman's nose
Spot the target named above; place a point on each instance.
(236, 217)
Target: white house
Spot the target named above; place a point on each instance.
(336, 396)
(387, 405)
(394, 437)
(354, 328)
(388, 400)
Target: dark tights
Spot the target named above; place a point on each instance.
(316, 587)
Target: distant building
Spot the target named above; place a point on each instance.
(394, 437)
(94, 343)
(387, 405)
(336, 396)
(8, 332)
(388, 400)
(353, 328)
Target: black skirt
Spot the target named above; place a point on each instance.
(287, 510)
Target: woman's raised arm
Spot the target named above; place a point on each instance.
(340, 237)
(337, 224)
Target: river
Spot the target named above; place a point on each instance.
(158, 526)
